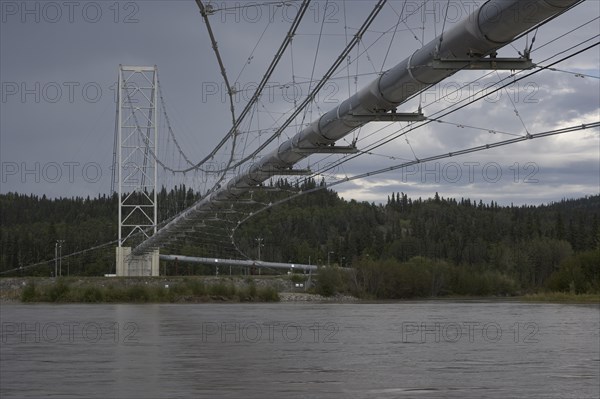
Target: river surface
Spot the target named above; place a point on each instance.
(424, 349)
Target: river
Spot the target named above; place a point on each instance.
(420, 349)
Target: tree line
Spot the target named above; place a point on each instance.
(457, 242)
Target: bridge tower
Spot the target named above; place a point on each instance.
(137, 173)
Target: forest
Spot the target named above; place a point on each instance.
(407, 247)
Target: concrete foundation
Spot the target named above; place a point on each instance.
(130, 265)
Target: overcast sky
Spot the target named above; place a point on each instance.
(59, 63)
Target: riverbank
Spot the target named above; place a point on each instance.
(142, 289)
(200, 289)
(196, 289)
(561, 297)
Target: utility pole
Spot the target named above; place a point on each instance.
(56, 259)
(341, 252)
(60, 243)
(259, 240)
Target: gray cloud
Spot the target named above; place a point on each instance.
(82, 55)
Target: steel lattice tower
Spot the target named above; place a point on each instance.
(137, 136)
(137, 147)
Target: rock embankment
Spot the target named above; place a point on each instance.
(305, 297)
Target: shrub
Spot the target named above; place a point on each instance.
(268, 294)
(59, 291)
(222, 290)
(29, 293)
(137, 293)
(92, 294)
(329, 281)
(197, 288)
(251, 291)
(577, 274)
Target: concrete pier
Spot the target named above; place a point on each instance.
(137, 265)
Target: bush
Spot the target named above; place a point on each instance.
(137, 293)
(197, 288)
(251, 291)
(470, 281)
(59, 291)
(29, 293)
(222, 290)
(92, 294)
(577, 274)
(329, 281)
(422, 277)
(112, 294)
(268, 294)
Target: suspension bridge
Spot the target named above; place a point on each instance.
(472, 44)
(307, 138)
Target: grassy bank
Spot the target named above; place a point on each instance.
(188, 290)
(561, 297)
(221, 289)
